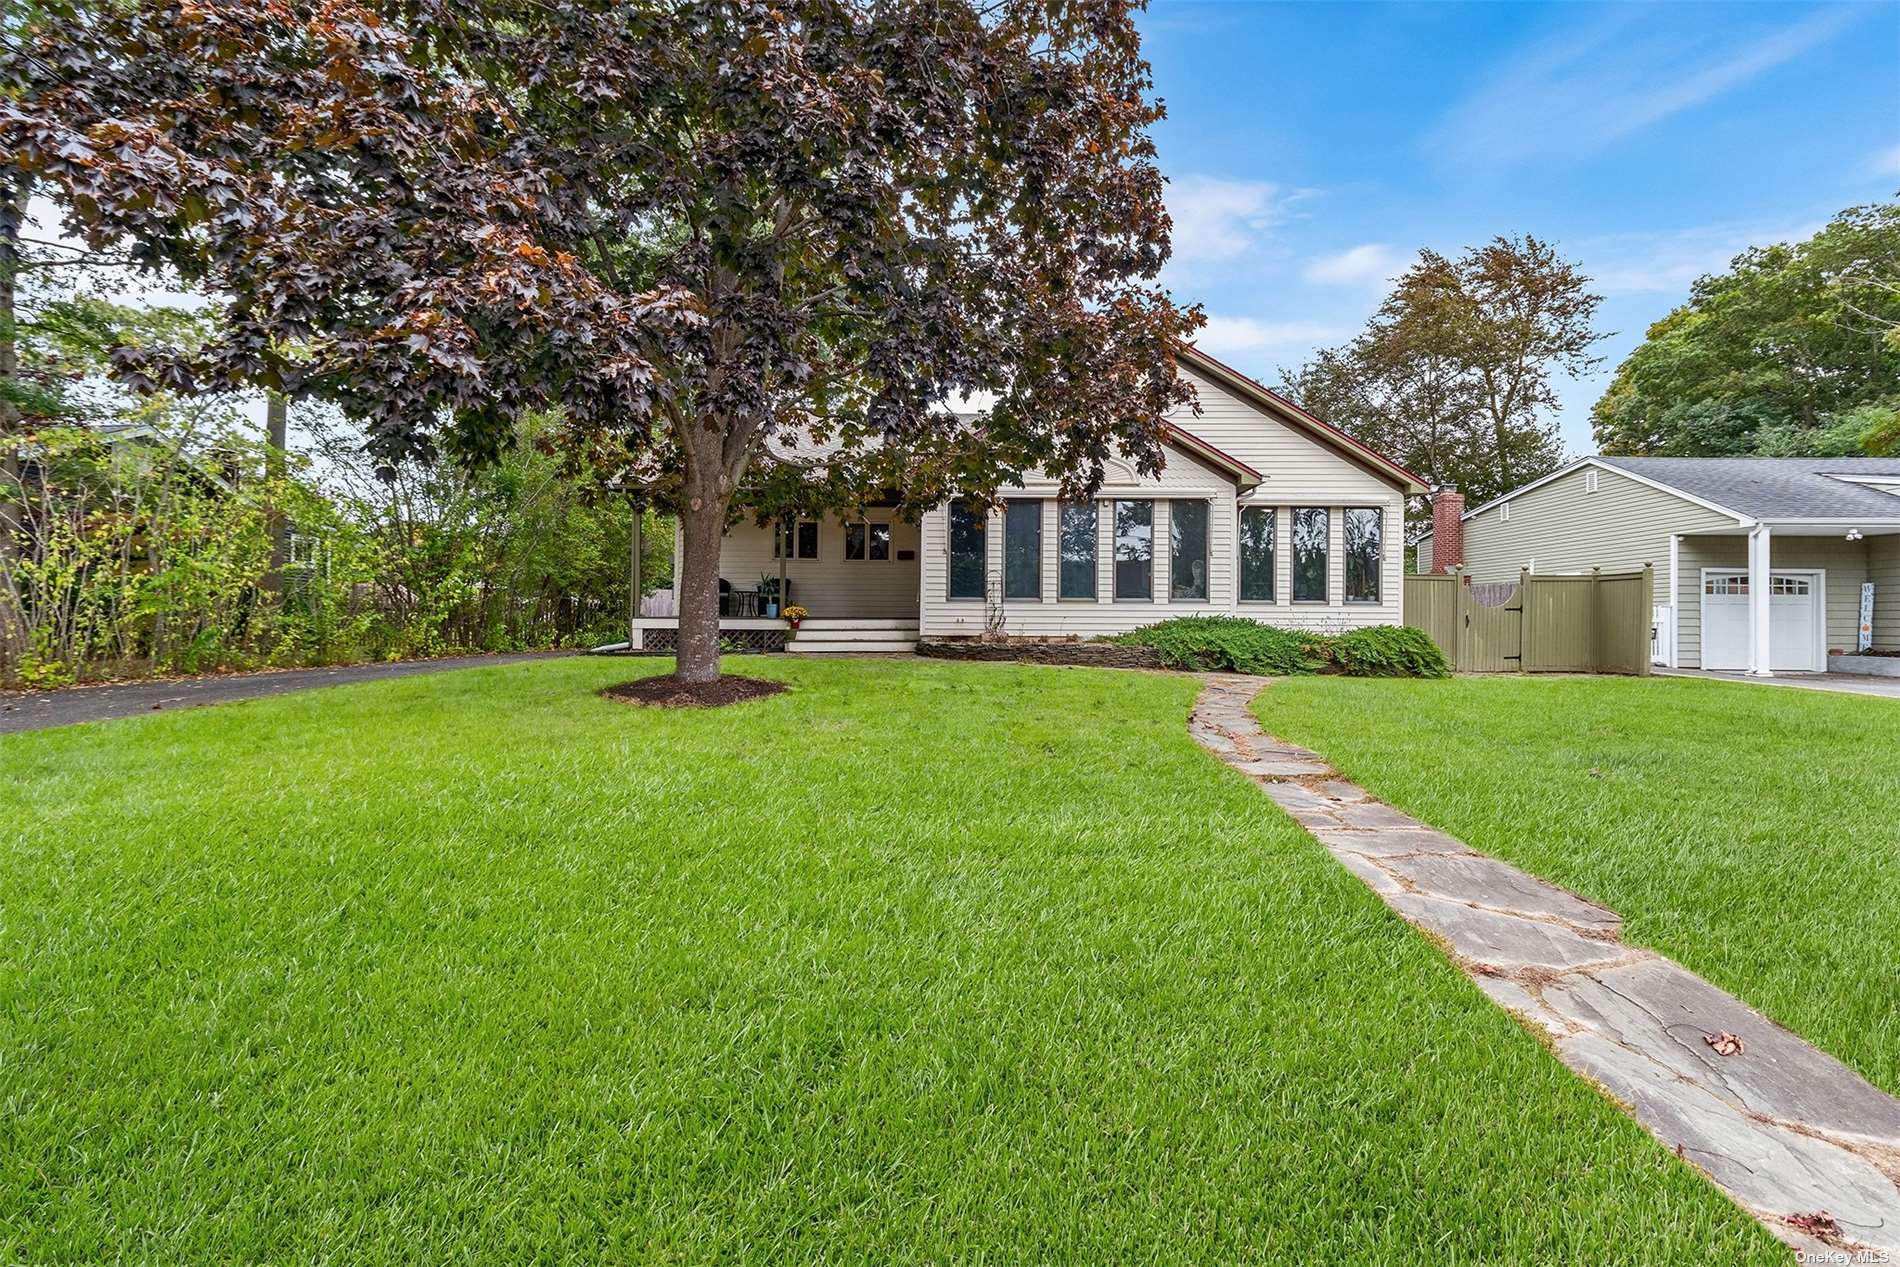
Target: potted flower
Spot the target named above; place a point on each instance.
(793, 614)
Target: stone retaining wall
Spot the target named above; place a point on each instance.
(1876, 665)
(1103, 655)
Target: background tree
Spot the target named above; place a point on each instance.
(691, 226)
(61, 316)
(1454, 374)
(1790, 352)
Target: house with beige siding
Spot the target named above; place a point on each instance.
(1762, 565)
(1259, 510)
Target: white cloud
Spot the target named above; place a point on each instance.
(1232, 336)
(1669, 262)
(1582, 89)
(1218, 219)
(1372, 264)
(1886, 162)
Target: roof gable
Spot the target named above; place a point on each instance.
(1279, 409)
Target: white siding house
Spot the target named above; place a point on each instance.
(1248, 457)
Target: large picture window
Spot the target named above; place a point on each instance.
(1134, 550)
(966, 550)
(1075, 562)
(1187, 551)
(796, 541)
(1256, 554)
(1022, 550)
(1365, 548)
(1310, 527)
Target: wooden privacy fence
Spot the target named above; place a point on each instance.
(1587, 622)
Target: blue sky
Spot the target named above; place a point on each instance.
(1312, 149)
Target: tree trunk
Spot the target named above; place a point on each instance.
(702, 523)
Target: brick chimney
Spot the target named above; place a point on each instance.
(1448, 528)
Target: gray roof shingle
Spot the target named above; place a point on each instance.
(1776, 488)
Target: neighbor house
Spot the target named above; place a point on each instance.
(1260, 510)
(1761, 564)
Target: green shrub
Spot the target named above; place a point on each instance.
(1386, 651)
(1232, 643)
(1238, 644)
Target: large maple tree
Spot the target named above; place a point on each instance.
(714, 234)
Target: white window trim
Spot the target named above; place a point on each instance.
(949, 554)
(844, 542)
(1114, 588)
(1055, 548)
(1207, 551)
(1042, 550)
(1334, 519)
(1378, 573)
(1273, 562)
(784, 530)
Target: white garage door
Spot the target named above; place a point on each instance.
(1794, 621)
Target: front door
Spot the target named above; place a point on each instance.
(1794, 615)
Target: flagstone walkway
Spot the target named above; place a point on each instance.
(1792, 1135)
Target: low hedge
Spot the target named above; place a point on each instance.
(1386, 651)
(1232, 643)
(1239, 645)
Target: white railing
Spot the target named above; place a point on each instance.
(660, 603)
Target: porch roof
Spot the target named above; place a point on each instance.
(1224, 462)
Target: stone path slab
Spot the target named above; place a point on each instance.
(1793, 1136)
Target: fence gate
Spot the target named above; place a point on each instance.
(1491, 636)
(1588, 622)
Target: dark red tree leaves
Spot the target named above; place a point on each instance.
(689, 225)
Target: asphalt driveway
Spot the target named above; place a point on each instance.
(37, 710)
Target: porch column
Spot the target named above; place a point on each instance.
(634, 632)
(1758, 586)
(1673, 652)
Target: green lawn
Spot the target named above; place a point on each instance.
(913, 963)
(1751, 833)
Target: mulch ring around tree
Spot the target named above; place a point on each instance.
(666, 691)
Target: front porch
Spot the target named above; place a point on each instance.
(1782, 597)
(857, 581)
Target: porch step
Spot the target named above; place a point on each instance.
(870, 637)
(816, 624)
(800, 646)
